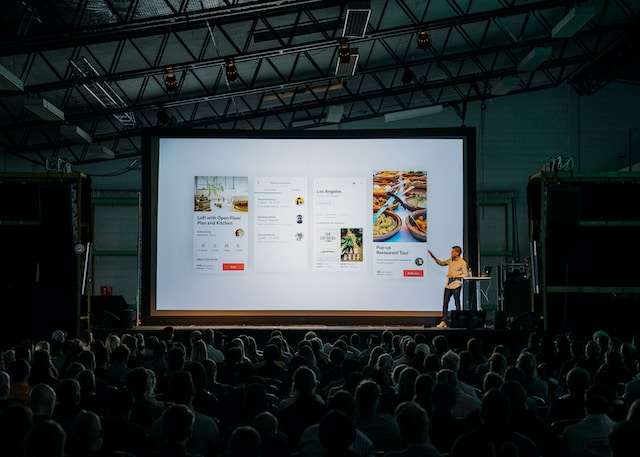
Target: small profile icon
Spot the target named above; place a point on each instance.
(239, 233)
(419, 261)
(299, 201)
(299, 218)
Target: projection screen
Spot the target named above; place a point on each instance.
(304, 224)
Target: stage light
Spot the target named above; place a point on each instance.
(347, 68)
(170, 81)
(407, 76)
(344, 53)
(232, 71)
(164, 120)
(423, 40)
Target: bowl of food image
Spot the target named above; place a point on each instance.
(386, 225)
(380, 200)
(416, 200)
(417, 224)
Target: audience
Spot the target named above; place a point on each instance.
(380, 427)
(205, 439)
(131, 395)
(19, 389)
(590, 436)
(245, 441)
(42, 402)
(177, 425)
(413, 423)
(15, 422)
(275, 443)
(336, 433)
(361, 445)
(120, 434)
(302, 408)
(45, 439)
(495, 433)
(445, 428)
(86, 435)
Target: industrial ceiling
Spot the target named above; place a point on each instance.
(81, 79)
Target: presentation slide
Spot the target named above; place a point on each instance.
(304, 225)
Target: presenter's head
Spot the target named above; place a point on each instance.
(456, 251)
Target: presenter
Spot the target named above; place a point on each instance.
(457, 269)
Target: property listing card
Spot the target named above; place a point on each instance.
(220, 223)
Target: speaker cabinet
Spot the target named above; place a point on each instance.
(517, 296)
(110, 312)
(468, 319)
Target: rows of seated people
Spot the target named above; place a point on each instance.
(392, 395)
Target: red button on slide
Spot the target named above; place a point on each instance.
(414, 273)
(232, 266)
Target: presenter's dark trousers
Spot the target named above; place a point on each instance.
(448, 293)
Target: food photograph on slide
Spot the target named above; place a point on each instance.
(400, 206)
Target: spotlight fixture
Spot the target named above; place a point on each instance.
(423, 40)
(164, 120)
(170, 81)
(232, 71)
(344, 53)
(407, 76)
(347, 68)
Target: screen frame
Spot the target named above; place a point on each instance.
(150, 141)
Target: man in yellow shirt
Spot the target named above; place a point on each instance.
(457, 269)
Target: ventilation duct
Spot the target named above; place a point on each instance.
(356, 19)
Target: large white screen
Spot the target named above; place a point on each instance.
(286, 225)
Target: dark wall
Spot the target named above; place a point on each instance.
(41, 220)
(588, 227)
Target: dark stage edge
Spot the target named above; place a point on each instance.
(458, 337)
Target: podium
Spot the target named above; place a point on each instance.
(475, 283)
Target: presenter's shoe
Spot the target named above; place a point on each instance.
(442, 324)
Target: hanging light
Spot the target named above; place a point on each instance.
(232, 71)
(423, 40)
(344, 53)
(170, 81)
(407, 76)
